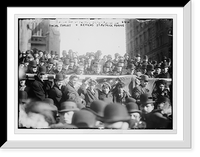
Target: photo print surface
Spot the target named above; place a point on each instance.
(95, 73)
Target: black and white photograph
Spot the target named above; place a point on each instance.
(104, 78)
(95, 73)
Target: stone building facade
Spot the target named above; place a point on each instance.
(151, 37)
(38, 33)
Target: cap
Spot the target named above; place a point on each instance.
(106, 84)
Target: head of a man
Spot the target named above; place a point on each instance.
(73, 79)
(144, 80)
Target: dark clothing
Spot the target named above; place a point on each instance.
(39, 90)
(70, 93)
(56, 94)
(108, 98)
(163, 75)
(120, 98)
(138, 90)
(156, 94)
(89, 95)
(156, 120)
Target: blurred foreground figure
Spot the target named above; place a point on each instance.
(97, 107)
(84, 119)
(136, 116)
(116, 117)
(37, 114)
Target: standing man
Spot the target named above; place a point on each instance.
(40, 87)
(142, 88)
(55, 93)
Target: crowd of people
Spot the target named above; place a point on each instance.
(78, 103)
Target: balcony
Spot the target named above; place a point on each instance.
(41, 40)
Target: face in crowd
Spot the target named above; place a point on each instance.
(74, 81)
(59, 67)
(162, 87)
(66, 117)
(97, 68)
(143, 83)
(135, 116)
(146, 108)
(158, 70)
(59, 83)
(80, 71)
(50, 65)
(71, 64)
(138, 59)
(105, 89)
(22, 83)
(41, 76)
(165, 70)
(34, 69)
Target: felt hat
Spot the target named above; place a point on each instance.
(59, 77)
(68, 106)
(42, 70)
(33, 63)
(84, 119)
(146, 99)
(97, 107)
(132, 107)
(130, 99)
(115, 112)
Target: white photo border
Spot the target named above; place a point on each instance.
(122, 140)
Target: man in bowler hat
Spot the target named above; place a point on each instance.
(40, 87)
(55, 92)
(116, 117)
